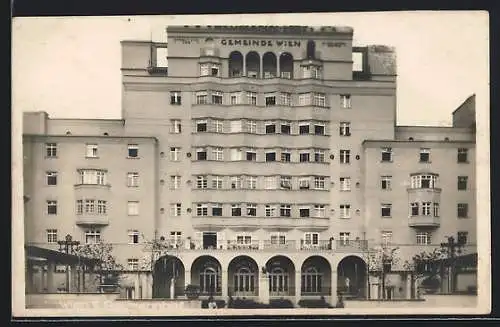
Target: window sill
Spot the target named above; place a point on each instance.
(425, 162)
(51, 157)
(385, 216)
(463, 162)
(88, 157)
(386, 161)
(133, 157)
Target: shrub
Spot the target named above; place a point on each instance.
(247, 304)
(314, 303)
(192, 291)
(280, 303)
(220, 304)
(430, 283)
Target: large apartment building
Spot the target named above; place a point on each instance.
(269, 161)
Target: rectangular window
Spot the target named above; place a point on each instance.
(92, 177)
(345, 101)
(202, 97)
(319, 183)
(235, 210)
(414, 209)
(319, 129)
(285, 99)
(217, 209)
(270, 183)
(201, 154)
(236, 126)
(236, 98)
(311, 239)
(462, 237)
(133, 264)
(201, 126)
(243, 239)
(426, 208)
(202, 209)
(251, 182)
(423, 238)
(92, 236)
(133, 179)
(51, 235)
(52, 207)
(270, 127)
(462, 183)
(218, 154)
(133, 208)
(270, 156)
(423, 181)
(175, 153)
(176, 126)
(175, 209)
(345, 183)
(319, 211)
(304, 157)
(217, 182)
(386, 154)
(462, 155)
(278, 238)
(304, 212)
(236, 154)
(235, 182)
(304, 99)
(251, 155)
(385, 182)
(285, 210)
(436, 209)
(319, 155)
(133, 236)
(425, 155)
(386, 210)
(285, 155)
(345, 129)
(201, 182)
(251, 126)
(462, 210)
(386, 237)
(345, 156)
(91, 151)
(251, 209)
(214, 71)
(217, 97)
(252, 98)
(89, 206)
(51, 150)
(133, 150)
(79, 207)
(344, 238)
(304, 183)
(101, 207)
(51, 177)
(205, 69)
(286, 182)
(303, 128)
(270, 100)
(218, 126)
(345, 211)
(319, 99)
(175, 98)
(270, 211)
(175, 182)
(285, 128)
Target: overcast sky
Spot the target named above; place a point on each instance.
(70, 66)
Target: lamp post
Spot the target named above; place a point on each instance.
(68, 246)
(452, 248)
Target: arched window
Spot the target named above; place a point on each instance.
(311, 50)
(278, 281)
(235, 64)
(286, 65)
(209, 280)
(311, 280)
(269, 64)
(244, 281)
(253, 64)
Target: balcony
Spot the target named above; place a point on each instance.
(308, 223)
(424, 194)
(95, 220)
(214, 167)
(423, 221)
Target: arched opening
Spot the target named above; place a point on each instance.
(235, 64)
(281, 274)
(206, 273)
(311, 49)
(253, 64)
(286, 65)
(352, 277)
(243, 277)
(269, 65)
(316, 276)
(168, 278)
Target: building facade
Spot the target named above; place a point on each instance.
(267, 160)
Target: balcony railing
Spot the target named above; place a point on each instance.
(101, 220)
(423, 221)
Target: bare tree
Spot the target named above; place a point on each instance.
(380, 262)
(425, 264)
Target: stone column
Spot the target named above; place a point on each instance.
(408, 285)
(333, 287)
(50, 277)
(224, 284)
(172, 288)
(136, 286)
(263, 288)
(244, 64)
(73, 279)
(298, 280)
(278, 70)
(261, 68)
(187, 277)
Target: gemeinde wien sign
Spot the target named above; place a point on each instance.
(260, 43)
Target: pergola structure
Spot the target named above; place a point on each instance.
(44, 261)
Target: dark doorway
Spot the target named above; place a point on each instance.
(352, 277)
(168, 269)
(209, 240)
